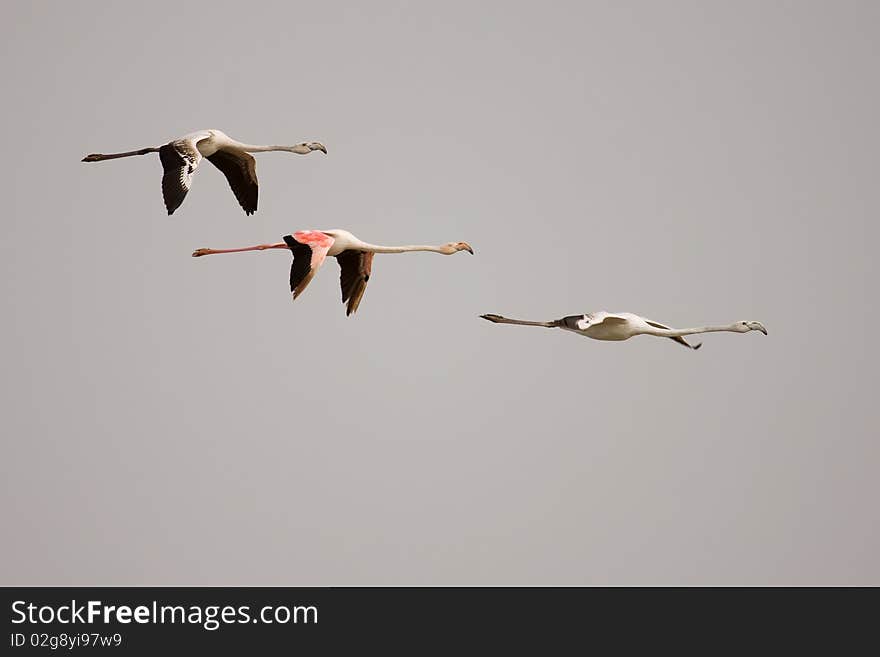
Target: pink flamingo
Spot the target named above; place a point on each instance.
(355, 257)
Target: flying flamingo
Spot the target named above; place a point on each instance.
(622, 326)
(355, 257)
(181, 157)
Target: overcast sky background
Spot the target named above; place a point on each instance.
(170, 420)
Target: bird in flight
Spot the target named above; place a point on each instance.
(622, 326)
(181, 157)
(355, 257)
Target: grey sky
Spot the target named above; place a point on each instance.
(168, 420)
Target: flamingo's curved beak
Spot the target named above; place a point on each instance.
(464, 246)
(318, 146)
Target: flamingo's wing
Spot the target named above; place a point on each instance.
(309, 248)
(680, 340)
(355, 267)
(583, 322)
(179, 161)
(240, 169)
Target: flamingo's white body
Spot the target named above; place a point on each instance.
(603, 325)
(311, 247)
(182, 156)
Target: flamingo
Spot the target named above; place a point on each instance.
(355, 257)
(180, 158)
(622, 326)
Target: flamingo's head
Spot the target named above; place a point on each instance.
(308, 146)
(746, 326)
(455, 247)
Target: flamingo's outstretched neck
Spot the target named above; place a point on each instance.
(444, 249)
(259, 247)
(677, 333)
(99, 157)
(300, 149)
(498, 319)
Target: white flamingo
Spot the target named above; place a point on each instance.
(355, 257)
(181, 157)
(622, 326)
